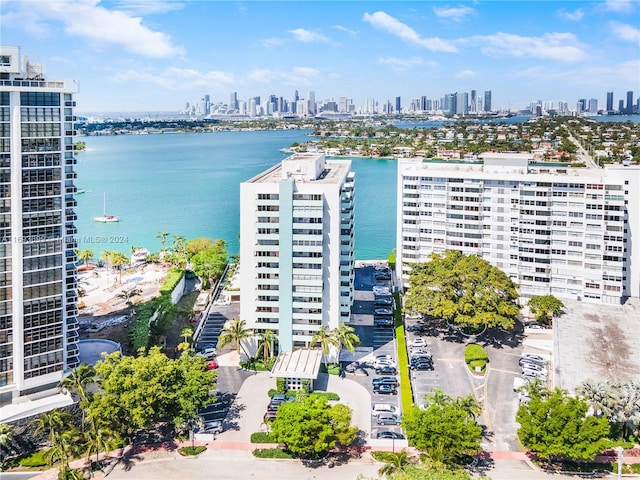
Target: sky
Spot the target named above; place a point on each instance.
(155, 55)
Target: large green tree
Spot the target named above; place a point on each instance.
(135, 393)
(444, 429)
(463, 289)
(310, 427)
(557, 425)
(326, 340)
(545, 307)
(209, 263)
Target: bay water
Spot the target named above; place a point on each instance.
(189, 184)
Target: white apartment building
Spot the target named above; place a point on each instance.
(297, 248)
(38, 324)
(553, 229)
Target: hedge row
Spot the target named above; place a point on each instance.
(403, 358)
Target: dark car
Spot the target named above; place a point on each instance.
(270, 416)
(418, 327)
(388, 434)
(383, 311)
(382, 301)
(385, 388)
(385, 380)
(386, 370)
(383, 322)
(422, 366)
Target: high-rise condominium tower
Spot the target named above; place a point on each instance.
(487, 100)
(554, 230)
(609, 101)
(38, 323)
(297, 248)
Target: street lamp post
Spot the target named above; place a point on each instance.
(620, 450)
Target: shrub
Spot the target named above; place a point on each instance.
(173, 278)
(280, 385)
(331, 396)
(262, 437)
(306, 386)
(36, 459)
(272, 391)
(475, 352)
(272, 453)
(188, 451)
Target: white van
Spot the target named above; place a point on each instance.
(379, 408)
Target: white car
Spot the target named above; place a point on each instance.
(418, 342)
(533, 358)
(379, 408)
(535, 368)
(534, 374)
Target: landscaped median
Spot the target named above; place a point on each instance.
(476, 358)
(403, 359)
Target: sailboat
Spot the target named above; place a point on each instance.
(105, 218)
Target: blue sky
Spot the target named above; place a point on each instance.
(132, 55)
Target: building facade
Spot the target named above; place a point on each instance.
(553, 229)
(38, 323)
(297, 248)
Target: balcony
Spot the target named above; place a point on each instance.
(70, 215)
(71, 229)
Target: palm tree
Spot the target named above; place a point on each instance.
(395, 462)
(346, 337)
(100, 440)
(67, 445)
(266, 342)
(128, 295)
(78, 380)
(326, 341)
(179, 244)
(6, 439)
(85, 255)
(53, 422)
(162, 236)
(235, 333)
(469, 405)
(119, 260)
(186, 333)
(603, 397)
(437, 397)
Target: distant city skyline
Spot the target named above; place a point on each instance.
(156, 55)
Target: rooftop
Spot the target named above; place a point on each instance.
(302, 363)
(305, 168)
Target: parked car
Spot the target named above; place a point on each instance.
(418, 343)
(533, 357)
(205, 346)
(388, 380)
(427, 365)
(270, 415)
(390, 435)
(388, 419)
(413, 351)
(420, 357)
(212, 427)
(211, 365)
(526, 363)
(385, 389)
(385, 358)
(207, 353)
(382, 301)
(379, 408)
(383, 321)
(533, 374)
(418, 327)
(535, 368)
(380, 290)
(383, 311)
(386, 370)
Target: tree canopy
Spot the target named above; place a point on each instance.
(544, 307)
(463, 289)
(445, 429)
(208, 258)
(558, 425)
(309, 426)
(135, 393)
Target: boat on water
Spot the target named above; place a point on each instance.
(106, 218)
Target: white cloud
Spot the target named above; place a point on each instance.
(272, 42)
(563, 47)
(147, 7)
(179, 78)
(353, 33)
(89, 20)
(625, 32)
(297, 75)
(466, 74)
(620, 6)
(400, 64)
(383, 21)
(572, 16)
(307, 36)
(453, 13)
